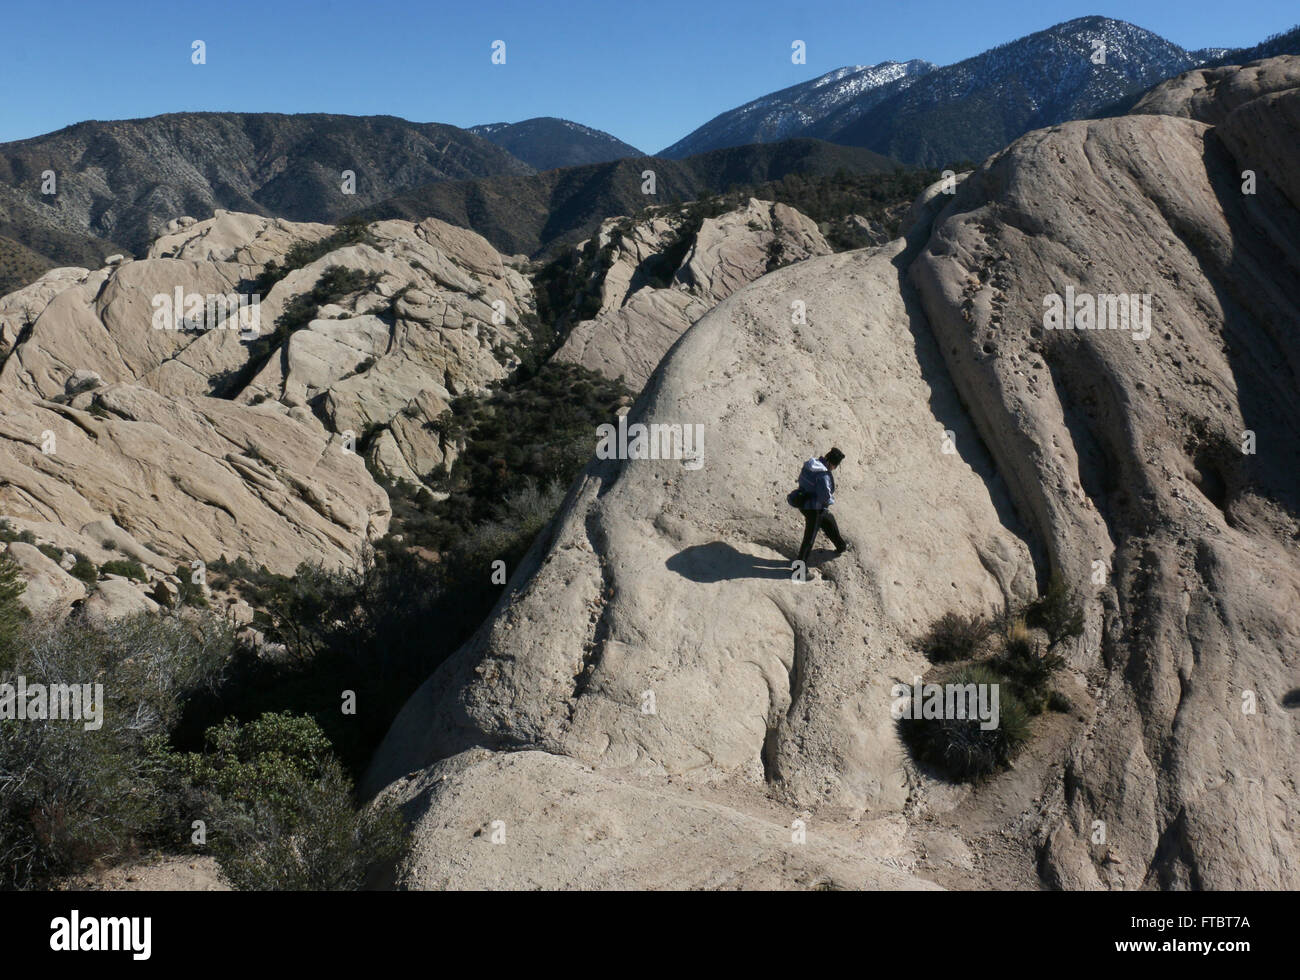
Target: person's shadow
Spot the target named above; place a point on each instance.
(718, 561)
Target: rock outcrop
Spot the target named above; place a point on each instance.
(787, 700)
(1168, 461)
(639, 319)
(19, 309)
(652, 660)
(186, 446)
(188, 478)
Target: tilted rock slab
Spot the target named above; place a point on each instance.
(189, 478)
(1126, 456)
(661, 578)
(638, 322)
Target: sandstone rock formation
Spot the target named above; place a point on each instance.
(19, 309)
(188, 478)
(442, 319)
(50, 589)
(638, 321)
(109, 426)
(1171, 460)
(188, 444)
(655, 703)
(784, 696)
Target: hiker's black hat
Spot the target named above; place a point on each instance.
(834, 457)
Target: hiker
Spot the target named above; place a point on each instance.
(816, 494)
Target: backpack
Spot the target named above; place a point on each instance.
(799, 497)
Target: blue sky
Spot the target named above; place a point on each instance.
(648, 73)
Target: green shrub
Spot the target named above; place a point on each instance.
(12, 612)
(1056, 701)
(367, 629)
(1029, 670)
(955, 637)
(83, 568)
(189, 593)
(334, 284)
(8, 534)
(280, 808)
(1058, 611)
(300, 254)
(70, 796)
(539, 431)
(50, 552)
(959, 746)
(126, 567)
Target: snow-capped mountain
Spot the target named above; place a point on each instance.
(970, 109)
(920, 114)
(792, 111)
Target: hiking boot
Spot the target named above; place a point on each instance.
(847, 545)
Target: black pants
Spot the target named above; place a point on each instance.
(814, 520)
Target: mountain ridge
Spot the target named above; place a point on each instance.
(932, 114)
(791, 111)
(548, 142)
(530, 214)
(120, 181)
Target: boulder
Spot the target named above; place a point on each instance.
(115, 598)
(50, 589)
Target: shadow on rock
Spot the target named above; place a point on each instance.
(718, 561)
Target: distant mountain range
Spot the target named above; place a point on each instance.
(1284, 42)
(929, 116)
(546, 143)
(794, 110)
(119, 182)
(531, 214)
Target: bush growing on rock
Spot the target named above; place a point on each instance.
(188, 592)
(126, 567)
(350, 231)
(960, 746)
(1058, 611)
(84, 569)
(955, 637)
(1029, 671)
(1056, 701)
(8, 534)
(334, 284)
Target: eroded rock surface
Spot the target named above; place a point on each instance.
(646, 306)
(1112, 460)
